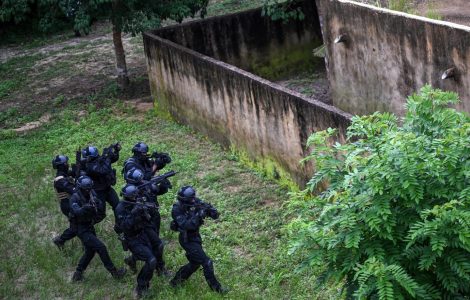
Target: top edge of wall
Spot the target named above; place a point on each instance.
(203, 20)
(333, 109)
(403, 14)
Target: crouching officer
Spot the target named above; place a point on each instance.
(148, 164)
(135, 177)
(64, 185)
(133, 218)
(188, 215)
(99, 169)
(84, 207)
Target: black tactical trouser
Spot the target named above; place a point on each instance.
(141, 249)
(109, 195)
(70, 232)
(156, 245)
(92, 245)
(196, 257)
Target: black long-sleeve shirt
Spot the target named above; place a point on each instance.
(63, 184)
(128, 222)
(188, 222)
(85, 216)
(101, 171)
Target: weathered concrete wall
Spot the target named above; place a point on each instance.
(254, 43)
(389, 55)
(237, 108)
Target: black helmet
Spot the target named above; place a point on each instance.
(186, 194)
(140, 150)
(84, 183)
(140, 147)
(90, 152)
(134, 176)
(59, 160)
(130, 192)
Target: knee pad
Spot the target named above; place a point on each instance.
(152, 263)
(208, 264)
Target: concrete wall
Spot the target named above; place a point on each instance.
(233, 106)
(389, 55)
(254, 43)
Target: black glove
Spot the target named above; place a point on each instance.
(161, 159)
(88, 208)
(117, 147)
(213, 213)
(201, 213)
(166, 184)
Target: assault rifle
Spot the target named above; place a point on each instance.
(146, 206)
(157, 179)
(107, 151)
(204, 209)
(78, 162)
(163, 158)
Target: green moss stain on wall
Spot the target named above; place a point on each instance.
(267, 167)
(286, 61)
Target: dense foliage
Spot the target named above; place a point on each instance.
(131, 15)
(394, 219)
(284, 10)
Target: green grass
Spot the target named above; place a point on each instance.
(220, 7)
(246, 244)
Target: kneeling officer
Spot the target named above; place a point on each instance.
(188, 215)
(132, 218)
(85, 211)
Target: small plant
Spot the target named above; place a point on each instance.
(393, 221)
(401, 5)
(432, 13)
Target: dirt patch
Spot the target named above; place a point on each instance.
(78, 70)
(313, 85)
(141, 105)
(33, 125)
(457, 11)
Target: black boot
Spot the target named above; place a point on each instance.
(162, 271)
(77, 276)
(118, 273)
(221, 289)
(175, 282)
(130, 261)
(141, 291)
(58, 242)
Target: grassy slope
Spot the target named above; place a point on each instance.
(246, 244)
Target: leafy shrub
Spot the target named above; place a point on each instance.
(394, 220)
(284, 10)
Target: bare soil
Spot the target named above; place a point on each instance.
(456, 11)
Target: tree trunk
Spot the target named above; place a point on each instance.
(121, 67)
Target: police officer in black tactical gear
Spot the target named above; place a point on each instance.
(133, 218)
(135, 177)
(188, 215)
(149, 165)
(84, 208)
(64, 185)
(99, 169)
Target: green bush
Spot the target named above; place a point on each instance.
(394, 220)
